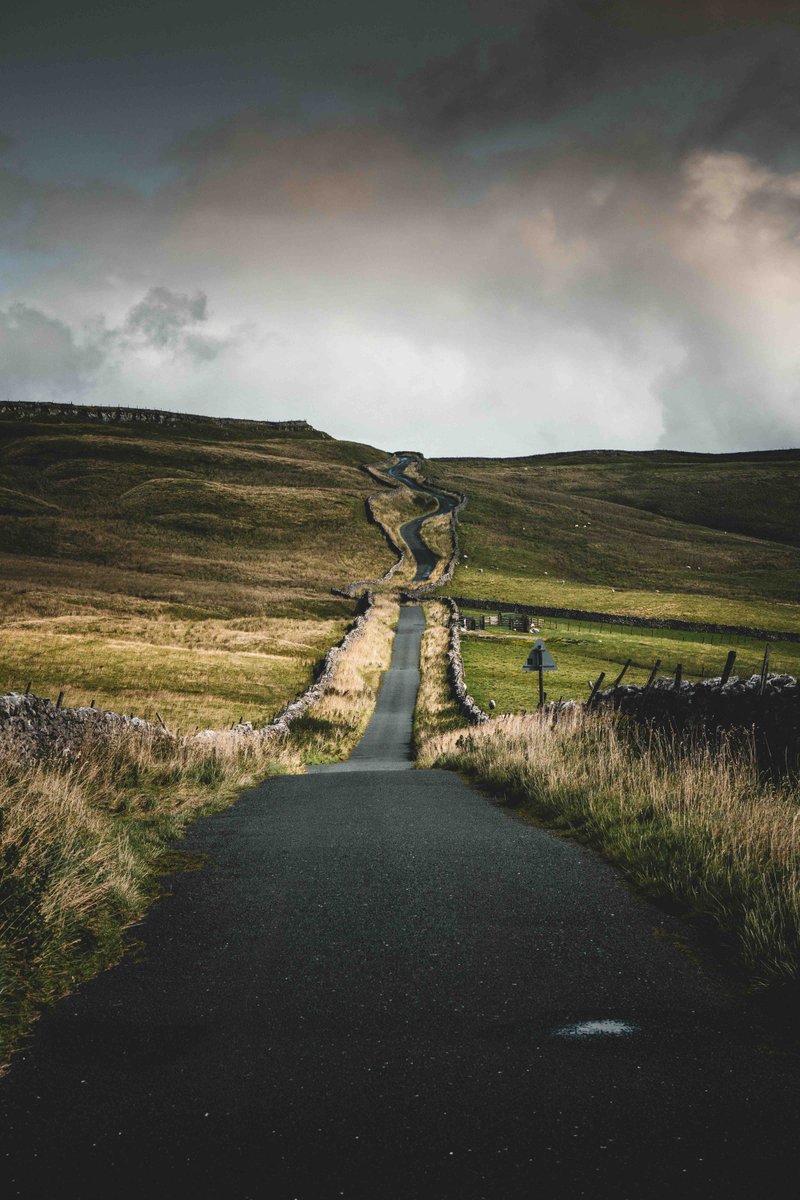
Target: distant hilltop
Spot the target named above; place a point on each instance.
(102, 414)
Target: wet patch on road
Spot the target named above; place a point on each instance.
(605, 1027)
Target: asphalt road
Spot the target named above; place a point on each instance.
(411, 531)
(381, 985)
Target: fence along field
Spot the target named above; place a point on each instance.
(493, 658)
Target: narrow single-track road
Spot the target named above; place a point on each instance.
(382, 986)
(411, 532)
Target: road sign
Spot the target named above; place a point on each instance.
(548, 663)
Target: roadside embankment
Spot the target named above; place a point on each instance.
(691, 823)
(437, 709)
(93, 802)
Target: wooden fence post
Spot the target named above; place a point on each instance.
(621, 675)
(653, 673)
(595, 688)
(764, 671)
(678, 676)
(726, 671)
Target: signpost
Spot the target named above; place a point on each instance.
(540, 660)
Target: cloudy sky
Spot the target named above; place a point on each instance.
(497, 227)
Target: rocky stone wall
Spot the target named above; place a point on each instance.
(355, 589)
(455, 669)
(33, 728)
(117, 415)
(770, 714)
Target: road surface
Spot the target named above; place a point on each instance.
(383, 986)
(411, 532)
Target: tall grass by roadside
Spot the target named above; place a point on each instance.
(82, 843)
(689, 823)
(436, 711)
(331, 728)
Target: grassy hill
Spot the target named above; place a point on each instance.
(699, 537)
(155, 560)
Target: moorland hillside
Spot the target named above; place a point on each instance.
(163, 561)
(698, 537)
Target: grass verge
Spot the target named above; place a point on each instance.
(697, 827)
(330, 729)
(436, 711)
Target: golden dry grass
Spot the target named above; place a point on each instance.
(436, 711)
(83, 841)
(202, 673)
(331, 728)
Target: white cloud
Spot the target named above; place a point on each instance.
(577, 300)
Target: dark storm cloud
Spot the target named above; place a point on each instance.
(581, 217)
(765, 105)
(717, 74)
(562, 52)
(162, 317)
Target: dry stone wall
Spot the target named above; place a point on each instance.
(355, 589)
(772, 714)
(33, 728)
(455, 670)
(34, 410)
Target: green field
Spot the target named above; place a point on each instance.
(181, 567)
(493, 659)
(697, 537)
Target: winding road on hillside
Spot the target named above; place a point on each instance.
(381, 985)
(411, 532)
